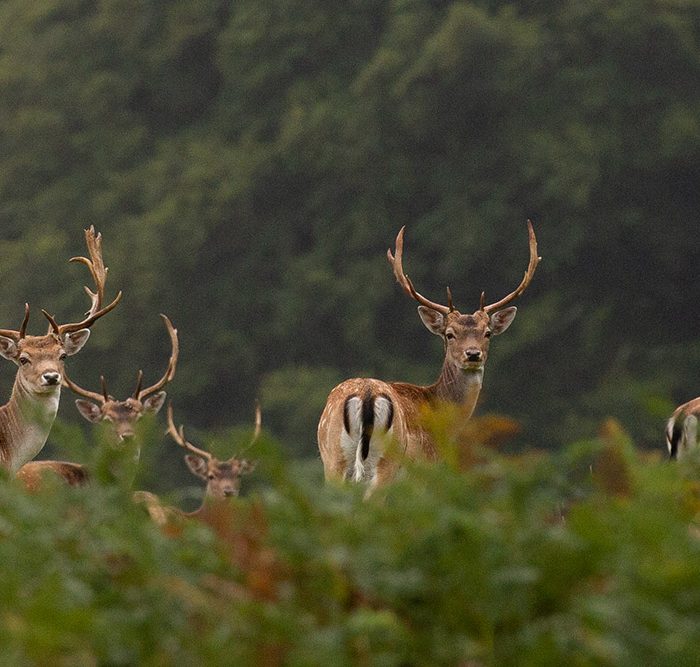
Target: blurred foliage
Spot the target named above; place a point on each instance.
(248, 164)
(584, 557)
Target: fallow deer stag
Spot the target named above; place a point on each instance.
(26, 419)
(361, 415)
(122, 416)
(223, 478)
(682, 429)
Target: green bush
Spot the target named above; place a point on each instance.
(585, 557)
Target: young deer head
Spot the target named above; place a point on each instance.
(123, 415)
(26, 419)
(223, 478)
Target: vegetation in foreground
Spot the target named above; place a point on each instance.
(586, 557)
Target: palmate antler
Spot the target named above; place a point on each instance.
(99, 275)
(396, 261)
(98, 271)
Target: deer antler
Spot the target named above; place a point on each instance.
(98, 271)
(527, 278)
(140, 394)
(405, 281)
(21, 333)
(178, 435)
(93, 396)
(256, 432)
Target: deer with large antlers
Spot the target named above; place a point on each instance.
(362, 415)
(121, 415)
(26, 419)
(223, 478)
(682, 429)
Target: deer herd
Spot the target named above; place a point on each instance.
(367, 427)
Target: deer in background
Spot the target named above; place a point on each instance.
(361, 414)
(682, 429)
(26, 419)
(223, 478)
(121, 415)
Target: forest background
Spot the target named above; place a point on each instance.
(249, 163)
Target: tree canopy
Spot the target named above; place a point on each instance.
(249, 163)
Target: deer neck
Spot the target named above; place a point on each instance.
(458, 386)
(25, 423)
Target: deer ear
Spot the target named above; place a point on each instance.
(73, 342)
(8, 348)
(154, 402)
(434, 321)
(502, 319)
(197, 465)
(89, 410)
(247, 466)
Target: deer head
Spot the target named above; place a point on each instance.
(466, 336)
(123, 415)
(223, 478)
(40, 359)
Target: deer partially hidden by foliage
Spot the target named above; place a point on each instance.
(223, 477)
(682, 429)
(26, 419)
(362, 414)
(121, 415)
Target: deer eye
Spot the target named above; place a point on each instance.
(24, 361)
(450, 335)
(211, 475)
(487, 333)
(62, 356)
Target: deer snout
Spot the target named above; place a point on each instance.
(230, 491)
(473, 354)
(51, 378)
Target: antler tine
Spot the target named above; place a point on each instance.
(172, 362)
(93, 396)
(15, 334)
(179, 436)
(25, 321)
(98, 271)
(527, 278)
(103, 386)
(53, 325)
(139, 381)
(405, 282)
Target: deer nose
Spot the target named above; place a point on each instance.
(473, 354)
(229, 492)
(51, 378)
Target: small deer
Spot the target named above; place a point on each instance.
(122, 416)
(26, 419)
(682, 429)
(361, 414)
(223, 478)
